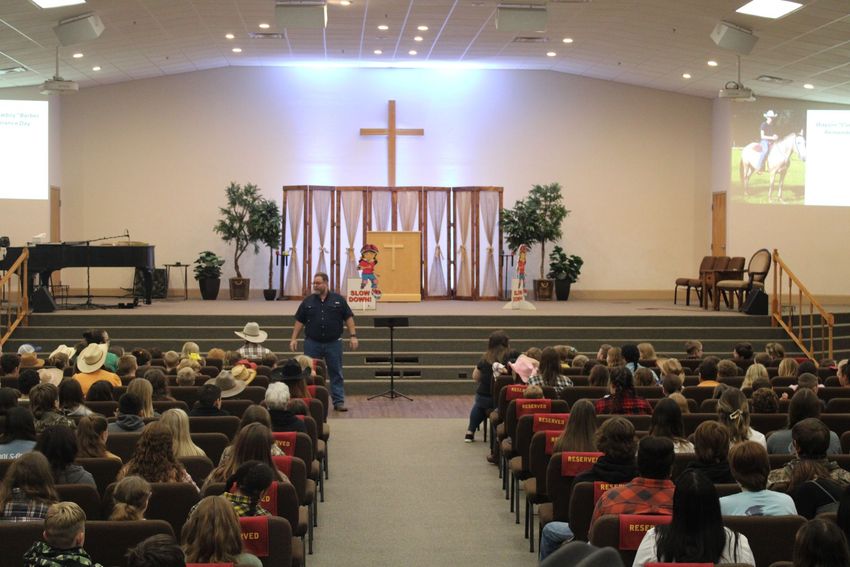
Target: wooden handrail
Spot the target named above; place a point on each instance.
(14, 313)
(800, 333)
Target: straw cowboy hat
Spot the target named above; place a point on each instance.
(229, 385)
(92, 357)
(63, 349)
(243, 373)
(31, 360)
(252, 333)
(289, 371)
(770, 114)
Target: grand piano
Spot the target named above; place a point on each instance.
(46, 258)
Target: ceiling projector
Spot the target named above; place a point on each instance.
(58, 85)
(737, 92)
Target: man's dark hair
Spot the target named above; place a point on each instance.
(157, 551)
(655, 457)
(812, 438)
(208, 395)
(59, 444)
(708, 370)
(9, 362)
(143, 356)
(321, 275)
(94, 336)
(129, 404)
(616, 438)
(744, 350)
(807, 366)
(630, 353)
(26, 380)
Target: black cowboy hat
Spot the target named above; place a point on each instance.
(289, 371)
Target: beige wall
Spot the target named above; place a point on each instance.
(154, 156)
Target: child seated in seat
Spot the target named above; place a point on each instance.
(64, 535)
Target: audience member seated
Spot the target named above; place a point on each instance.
(842, 372)
(631, 354)
(672, 384)
(599, 376)
(178, 422)
(153, 458)
(755, 370)
(549, 372)
(293, 375)
(616, 440)
(667, 422)
(820, 543)
(733, 412)
(530, 393)
(750, 467)
(159, 385)
(614, 358)
(580, 433)
(71, 399)
(19, 434)
(622, 398)
(578, 361)
(764, 400)
(171, 360)
(144, 390)
(192, 351)
(647, 351)
(804, 404)
(44, 403)
(787, 367)
(810, 438)
(492, 362)
(711, 446)
(708, 374)
(696, 533)
(762, 384)
(142, 356)
(693, 350)
(9, 364)
(209, 401)
(254, 338)
(727, 369)
(90, 365)
(127, 367)
(8, 399)
(26, 380)
(27, 490)
(216, 354)
(681, 401)
(101, 391)
(129, 417)
(719, 390)
(775, 351)
(672, 367)
(248, 486)
(157, 551)
(230, 387)
(742, 354)
(602, 353)
(64, 536)
(809, 366)
(59, 445)
(212, 534)
(254, 442)
(762, 358)
(644, 377)
(130, 499)
(186, 377)
(92, 433)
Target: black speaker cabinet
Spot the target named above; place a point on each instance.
(756, 303)
(42, 301)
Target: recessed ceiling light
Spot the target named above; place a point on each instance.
(808, 86)
(264, 26)
(78, 55)
(567, 40)
(377, 52)
(417, 38)
(345, 3)
(686, 75)
(229, 36)
(237, 50)
(57, 3)
(711, 63)
(96, 68)
(551, 54)
(769, 8)
(412, 52)
(383, 27)
(422, 28)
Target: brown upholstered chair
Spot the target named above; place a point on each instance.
(169, 501)
(539, 453)
(84, 495)
(106, 408)
(693, 283)
(213, 444)
(771, 537)
(756, 271)
(606, 533)
(236, 407)
(279, 541)
(123, 444)
(161, 406)
(227, 424)
(103, 470)
(296, 471)
(199, 468)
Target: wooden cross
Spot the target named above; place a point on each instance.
(391, 132)
(392, 246)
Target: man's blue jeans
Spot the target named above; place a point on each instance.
(331, 353)
(554, 535)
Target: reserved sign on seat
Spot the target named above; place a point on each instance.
(255, 535)
(633, 527)
(573, 462)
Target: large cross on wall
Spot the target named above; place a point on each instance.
(391, 132)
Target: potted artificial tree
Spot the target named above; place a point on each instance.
(208, 273)
(237, 225)
(267, 223)
(564, 270)
(536, 219)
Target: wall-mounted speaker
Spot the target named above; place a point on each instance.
(79, 29)
(521, 18)
(737, 39)
(306, 14)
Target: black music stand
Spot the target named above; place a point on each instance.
(392, 323)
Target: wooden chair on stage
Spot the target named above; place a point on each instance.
(693, 283)
(756, 272)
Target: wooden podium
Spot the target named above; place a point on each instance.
(399, 268)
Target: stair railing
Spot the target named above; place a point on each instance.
(788, 312)
(14, 297)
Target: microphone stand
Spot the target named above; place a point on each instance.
(89, 304)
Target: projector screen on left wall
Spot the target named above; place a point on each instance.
(23, 149)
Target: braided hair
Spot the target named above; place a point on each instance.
(251, 479)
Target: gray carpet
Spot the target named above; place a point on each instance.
(409, 492)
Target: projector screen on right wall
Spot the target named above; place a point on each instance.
(807, 163)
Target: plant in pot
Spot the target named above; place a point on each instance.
(564, 270)
(208, 273)
(536, 219)
(267, 223)
(238, 225)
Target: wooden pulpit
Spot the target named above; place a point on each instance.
(399, 268)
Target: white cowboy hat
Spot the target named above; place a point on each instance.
(92, 357)
(770, 114)
(252, 333)
(63, 349)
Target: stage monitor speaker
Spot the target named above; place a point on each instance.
(521, 18)
(756, 303)
(42, 301)
(732, 37)
(79, 29)
(295, 14)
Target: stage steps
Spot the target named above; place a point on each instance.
(436, 354)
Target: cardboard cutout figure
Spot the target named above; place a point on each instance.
(366, 267)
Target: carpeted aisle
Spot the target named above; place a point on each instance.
(410, 492)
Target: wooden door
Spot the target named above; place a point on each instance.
(718, 223)
(55, 207)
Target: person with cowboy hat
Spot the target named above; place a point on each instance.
(322, 315)
(767, 137)
(254, 338)
(90, 365)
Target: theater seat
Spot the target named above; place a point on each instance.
(269, 538)
(108, 542)
(169, 501)
(771, 537)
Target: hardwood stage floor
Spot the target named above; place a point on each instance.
(421, 406)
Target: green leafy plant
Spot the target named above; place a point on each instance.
(563, 267)
(237, 223)
(208, 266)
(535, 219)
(267, 226)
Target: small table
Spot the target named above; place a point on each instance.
(178, 266)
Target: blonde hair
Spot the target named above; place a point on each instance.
(533, 392)
(63, 523)
(178, 422)
(672, 366)
(211, 534)
(647, 351)
(171, 358)
(189, 363)
(733, 412)
(216, 354)
(681, 400)
(190, 348)
(615, 357)
(304, 361)
(754, 371)
(186, 376)
(144, 390)
(787, 367)
(131, 496)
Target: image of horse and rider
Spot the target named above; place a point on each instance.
(771, 170)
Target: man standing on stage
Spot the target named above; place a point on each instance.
(322, 315)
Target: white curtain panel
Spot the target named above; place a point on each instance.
(294, 212)
(322, 215)
(408, 207)
(489, 206)
(352, 205)
(463, 199)
(382, 205)
(437, 212)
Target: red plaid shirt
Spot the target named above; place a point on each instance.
(624, 402)
(640, 496)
